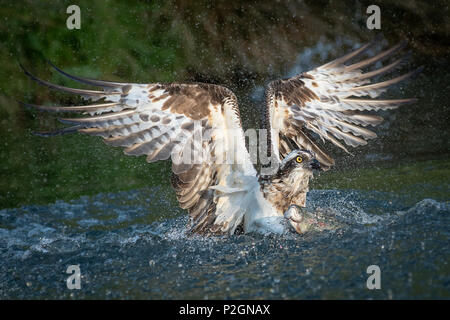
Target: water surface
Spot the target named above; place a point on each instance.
(123, 254)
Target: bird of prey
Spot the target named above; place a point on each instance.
(214, 177)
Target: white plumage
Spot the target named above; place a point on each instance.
(198, 126)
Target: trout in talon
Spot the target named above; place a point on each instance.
(302, 220)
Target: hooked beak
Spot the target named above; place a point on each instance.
(315, 165)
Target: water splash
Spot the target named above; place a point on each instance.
(121, 255)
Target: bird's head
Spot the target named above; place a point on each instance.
(299, 159)
(294, 173)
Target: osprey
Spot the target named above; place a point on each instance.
(214, 178)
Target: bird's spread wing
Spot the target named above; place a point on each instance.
(331, 101)
(197, 125)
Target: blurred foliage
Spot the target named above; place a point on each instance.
(236, 44)
(420, 179)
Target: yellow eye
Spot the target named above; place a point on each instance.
(299, 159)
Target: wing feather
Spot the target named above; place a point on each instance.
(329, 101)
(163, 121)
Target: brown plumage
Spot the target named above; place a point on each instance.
(163, 121)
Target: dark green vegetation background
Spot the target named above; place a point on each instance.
(237, 45)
